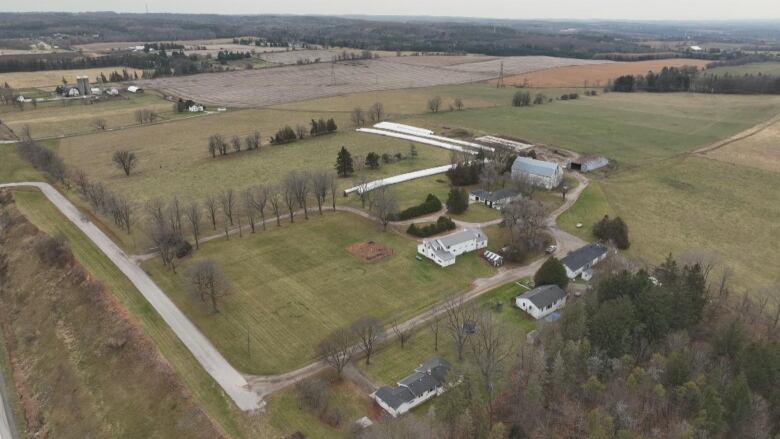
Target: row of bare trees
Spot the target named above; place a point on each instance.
(219, 145)
(374, 114)
(104, 201)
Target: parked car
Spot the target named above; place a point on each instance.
(551, 249)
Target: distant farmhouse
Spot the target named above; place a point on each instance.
(540, 173)
(496, 200)
(588, 163)
(135, 89)
(444, 250)
(542, 301)
(580, 261)
(427, 381)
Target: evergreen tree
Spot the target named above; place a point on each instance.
(711, 417)
(331, 125)
(344, 165)
(372, 160)
(551, 272)
(737, 400)
(678, 369)
(457, 200)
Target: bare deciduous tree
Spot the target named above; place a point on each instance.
(490, 176)
(207, 281)
(402, 332)
(368, 331)
(490, 346)
(300, 131)
(212, 206)
(227, 200)
(336, 350)
(333, 183)
(358, 117)
(459, 316)
(320, 181)
(125, 160)
(252, 141)
(236, 143)
(166, 242)
(174, 215)
(260, 200)
(458, 104)
(288, 195)
(435, 324)
(249, 208)
(434, 104)
(377, 112)
(274, 194)
(155, 211)
(300, 184)
(193, 215)
(383, 205)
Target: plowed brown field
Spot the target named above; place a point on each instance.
(595, 75)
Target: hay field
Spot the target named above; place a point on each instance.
(763, 68)
(173, 158)
(292, 56)
(596, 75)
(293, 285)
(760, 150)
(442, 60)
(255, 88)
(71, 117)
(53, 78)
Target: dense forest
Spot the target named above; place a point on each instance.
(669, 353)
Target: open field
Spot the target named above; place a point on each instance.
(306, 56)
(392, 363)
(293, 285)
(631, 128)
(206, 393)
(443, 60)
(255, 88)
(760, 150)
(595, 75)
(89, 350)
(696, 204)
(173, 158)
(71, 117)
(53, 78)
(588, 210)
(763, 68)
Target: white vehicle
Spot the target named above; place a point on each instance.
(551, 249)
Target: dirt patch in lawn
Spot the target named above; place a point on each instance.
(370, 251)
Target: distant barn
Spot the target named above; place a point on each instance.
(588, 163)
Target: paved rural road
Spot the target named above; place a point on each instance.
(231, 381)
(267, 385)
(7, 425)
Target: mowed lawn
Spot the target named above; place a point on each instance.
(295, 284)
(392, 363)
(631, 128)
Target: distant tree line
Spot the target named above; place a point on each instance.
(162, 46)
(218, 145)
(223, 56)
(689, 79)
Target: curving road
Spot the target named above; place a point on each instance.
(249, 391)
(231, 381)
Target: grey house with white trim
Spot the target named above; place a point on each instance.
(539, 172)
(427, 381)
(542, 301)
(580, 261)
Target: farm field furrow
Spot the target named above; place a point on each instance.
(263, 87)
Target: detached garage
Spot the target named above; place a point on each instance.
(588, 163)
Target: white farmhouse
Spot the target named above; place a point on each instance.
(195, 108)
(539, 172)
(580, 261)
(542, 301)
(444, 250)
(427, 381)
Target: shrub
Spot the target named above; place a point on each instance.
(284, 135)
(312, 394)
(52, 251)
(551, 272)
(441, 225)
(516, 254)
(465, 174)
(183, 249)
(521, 99)
(432, 204)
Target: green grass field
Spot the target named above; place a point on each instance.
(631, 128)
(204, 390)
(588, 210)
(293, 285)
(764, 68)
(393, 363)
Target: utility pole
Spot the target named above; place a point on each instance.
(500, 83)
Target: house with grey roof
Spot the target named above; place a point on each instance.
(444, 250)
(495, 200)
(581, 261)
(427, 381)
(542, 300)
(538, 172)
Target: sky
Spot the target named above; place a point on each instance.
(515, 9)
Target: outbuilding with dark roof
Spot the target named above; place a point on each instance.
(580, 261)
(427, 381)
